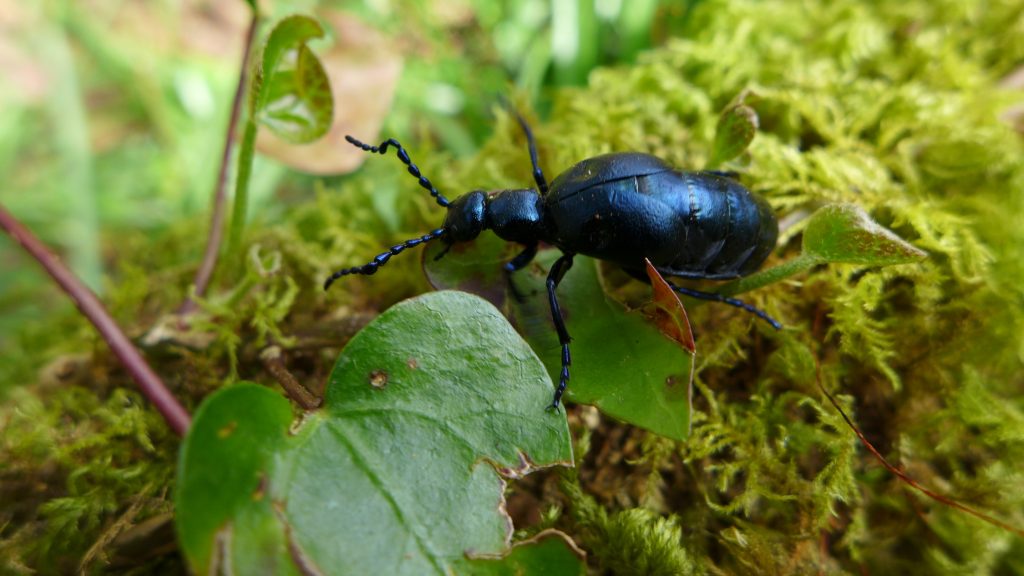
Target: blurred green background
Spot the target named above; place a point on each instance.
(114, 112)
(113, 121)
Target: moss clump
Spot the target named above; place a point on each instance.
(896, 109)
(891, 106)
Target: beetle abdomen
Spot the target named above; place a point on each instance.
(691, 224)
(729, 231)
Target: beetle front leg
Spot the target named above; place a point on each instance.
(558, 270)
(518, 263)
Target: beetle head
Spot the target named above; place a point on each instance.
(466, 217)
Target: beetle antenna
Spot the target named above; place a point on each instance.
(382, 259)
(730, 301)
(538, 174)
(404, 157)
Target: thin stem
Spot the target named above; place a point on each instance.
(245, 158)
(273, 360)
(87, 302)
(903, 475)
(799, 264)
(213, 243)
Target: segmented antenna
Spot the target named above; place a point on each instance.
(538, 174)
(404, 157)
(382, 259)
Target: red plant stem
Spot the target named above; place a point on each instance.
(213, 242)
(907, 479)
(150, 384)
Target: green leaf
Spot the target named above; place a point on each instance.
(736, 129)
(844, 233)
(400, 472)
(474, 267)
(835, 233)
(551, 552)
(621, 363)
(291, 92)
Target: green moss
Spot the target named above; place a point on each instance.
(894, 107)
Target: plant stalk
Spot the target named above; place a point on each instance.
(770, 276)
(213, 243)
(245, 159)
(87, 302)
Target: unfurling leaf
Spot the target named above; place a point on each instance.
(291, 94)
(736, 129)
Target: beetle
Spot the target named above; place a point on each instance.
(621, 207)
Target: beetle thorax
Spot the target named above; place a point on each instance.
(514, 215)
(517, 215)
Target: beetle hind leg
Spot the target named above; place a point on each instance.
(730, 301)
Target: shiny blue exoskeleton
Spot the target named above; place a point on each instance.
(621, 207)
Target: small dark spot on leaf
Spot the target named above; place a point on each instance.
(670, 381)
(261, 490)
(412, 363)
(227, 430)
(378, 379)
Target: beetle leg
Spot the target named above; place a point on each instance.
(521, 259)
(538, 174)
(558, 270)
(404, 157)
(443, 251)
(516, 264)
(382, 258)
(726, 300)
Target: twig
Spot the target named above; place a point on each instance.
(271, 357)
(87, 302)
(907, 479)
(213, 242)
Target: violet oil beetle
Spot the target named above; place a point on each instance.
(620, 207)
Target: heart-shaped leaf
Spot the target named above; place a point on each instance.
(621, 363)
(291, 93)
(400, 472)
(474, 267)
(844, 233)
